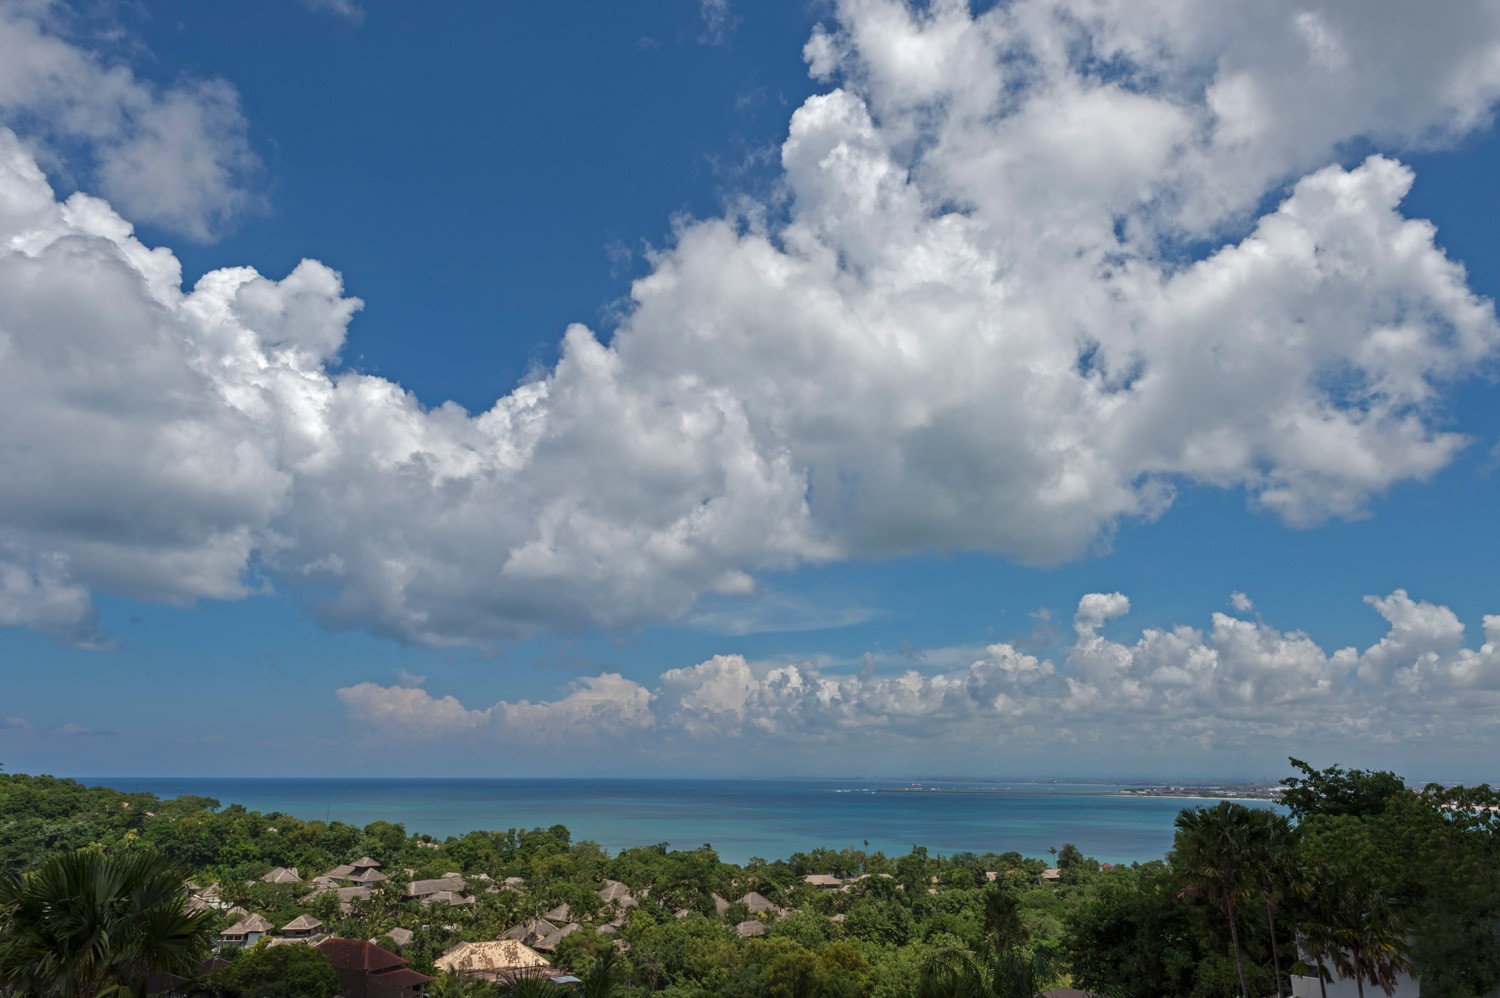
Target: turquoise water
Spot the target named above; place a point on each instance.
(740, 818)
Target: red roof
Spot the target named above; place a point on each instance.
(358, 954)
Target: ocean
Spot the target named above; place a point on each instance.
(770, 819)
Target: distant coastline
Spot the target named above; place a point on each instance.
(1246, 793)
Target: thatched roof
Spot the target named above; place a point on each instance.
(559, 914)
(759, 904)
(249, 924)
(536, 928)
(282, 875)
(399, 936)
(423, 888)
(302, 923)
(340, 872)
(453, 898)
(822, 880)
(751, 928)
(365, 863)
(1052, 873)
(613, 890)
(367, 877)
(720, 905)
(499, 954)
(549, 944)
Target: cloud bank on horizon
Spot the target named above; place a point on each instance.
(1242, 684)
(1034, 268)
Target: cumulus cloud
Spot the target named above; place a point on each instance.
(1241, 602)
(1236, 683)
(1023, 288)
(174, 156)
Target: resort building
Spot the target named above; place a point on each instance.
(246, 932)
(500, 960)
(302, 927)
(367, 971)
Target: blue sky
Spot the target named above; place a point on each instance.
(850, 388)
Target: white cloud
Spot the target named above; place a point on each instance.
(1241, 602)
(594, 707)
(1236, 684)
(718, 20)
(976, 329)
(174, 156)
(346, 9)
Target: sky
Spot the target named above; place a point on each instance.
(823, 387)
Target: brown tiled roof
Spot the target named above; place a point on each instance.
(357, 954)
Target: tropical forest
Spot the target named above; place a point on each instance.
(1357, 879)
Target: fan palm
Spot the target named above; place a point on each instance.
(529, 987)
(605, 977)
(88, 924)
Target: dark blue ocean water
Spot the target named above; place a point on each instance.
(740, 818)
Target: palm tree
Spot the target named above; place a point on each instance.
(951, 973)
(1272, 866)
(605, 977)
(1212, 852)
(530, 987)
(1371, 939)
(1002, 920)
(88, 924)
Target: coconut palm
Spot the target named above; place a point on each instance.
(1371, 940)
(89, 924)
(1213, 854)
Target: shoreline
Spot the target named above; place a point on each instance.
(1204, 794)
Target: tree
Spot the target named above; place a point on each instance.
(1212, 855)
(267, 971)
(1131, 932)
(1002, 920)
(1371, 938)
(1272, 866)
(1358, 793)
(88, 923)
(605, 977)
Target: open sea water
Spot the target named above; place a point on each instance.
(770, 819)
